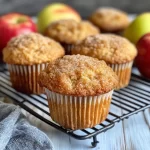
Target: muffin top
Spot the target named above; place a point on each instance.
(32, 48)
(110, 19)
(70, 31)
(108, 47)
(78, 75)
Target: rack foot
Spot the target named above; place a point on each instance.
(95, 142)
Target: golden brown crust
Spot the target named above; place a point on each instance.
(110, 19)
(108, 47)
(70, 31)
(33, 48)
(78, 75)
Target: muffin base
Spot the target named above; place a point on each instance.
(124, 73)
(24, 78)
(74, 112)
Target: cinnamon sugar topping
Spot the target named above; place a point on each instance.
(108, 47)
(70, 31)
(78, 75)
(31, 49)
(110, 19)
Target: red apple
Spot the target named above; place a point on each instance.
(14, 24)
(143, 58)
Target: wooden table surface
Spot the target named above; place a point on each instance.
(130, 134)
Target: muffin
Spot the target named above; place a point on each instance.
(68, 32)
(116, 51)
(110, 19)
(26, 55)
(79, 90)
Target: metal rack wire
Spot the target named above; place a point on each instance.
(133, 99)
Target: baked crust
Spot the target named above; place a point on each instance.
(32, 48)
(70, 31)
(79, 76)
(108, 47)
(110, 19)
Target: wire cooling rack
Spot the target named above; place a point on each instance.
(132, 99)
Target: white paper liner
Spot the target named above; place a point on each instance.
(24, 77)
(67, 48)
(78, 112)
(123, 71)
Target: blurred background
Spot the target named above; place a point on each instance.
(85, 7)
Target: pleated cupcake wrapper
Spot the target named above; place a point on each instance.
(124, 73)
(78, 112)
(67, 48)
(24, 77)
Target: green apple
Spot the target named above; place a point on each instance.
(54, 12)
(139, 27)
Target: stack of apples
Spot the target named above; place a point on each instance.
(13, 24)
(138, 32)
